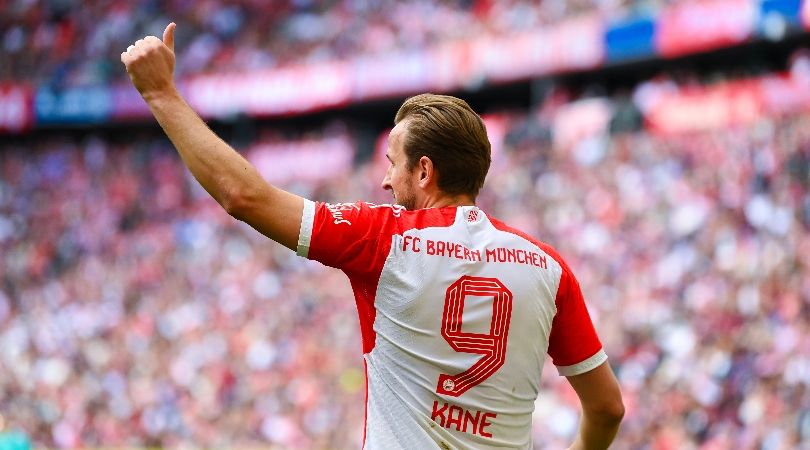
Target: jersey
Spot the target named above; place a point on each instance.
(457, 314)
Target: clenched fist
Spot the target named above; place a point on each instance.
(150, 63)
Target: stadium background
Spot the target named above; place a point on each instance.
(662, 147)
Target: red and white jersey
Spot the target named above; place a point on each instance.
(457, 313)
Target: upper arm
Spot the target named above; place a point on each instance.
(598, 391)
(271, 211)
(574, 346)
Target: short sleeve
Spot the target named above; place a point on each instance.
(347, 236)
(574, 346)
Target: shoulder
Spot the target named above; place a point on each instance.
(395, 217)
(545, 247)
(382, 218)
(427, 218)
(351, 213)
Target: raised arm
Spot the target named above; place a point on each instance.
(602, 408)
(233, 182)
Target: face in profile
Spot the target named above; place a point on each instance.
(401, 181)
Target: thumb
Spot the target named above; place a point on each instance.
(168, 35)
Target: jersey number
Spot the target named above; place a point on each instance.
(492, 345)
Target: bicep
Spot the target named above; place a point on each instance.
(271, 211)
(574, 345)
(598, 390)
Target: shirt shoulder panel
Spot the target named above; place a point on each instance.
(574, 345)
(548, 249)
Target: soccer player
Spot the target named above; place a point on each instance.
(457, 310)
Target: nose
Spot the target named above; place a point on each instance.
(386, 182)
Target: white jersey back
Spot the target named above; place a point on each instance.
(457, 314)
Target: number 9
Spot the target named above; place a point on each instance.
(492, 345)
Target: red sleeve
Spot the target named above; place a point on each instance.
(574, 346)
(347, 236)
(356, 238)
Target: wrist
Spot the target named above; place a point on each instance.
(154, 97)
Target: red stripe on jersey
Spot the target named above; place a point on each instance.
(573, 338)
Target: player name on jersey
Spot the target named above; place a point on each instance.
(450, 249)
(449, 416)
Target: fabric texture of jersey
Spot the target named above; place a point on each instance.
(457, 314)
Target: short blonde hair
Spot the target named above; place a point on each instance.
(452, 135)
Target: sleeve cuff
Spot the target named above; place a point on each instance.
(585, 366)
(305, 233)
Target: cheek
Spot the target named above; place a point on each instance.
(396, 176)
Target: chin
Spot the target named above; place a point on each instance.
(408, 203)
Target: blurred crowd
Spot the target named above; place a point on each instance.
(61, 43)
(692, 251)
(135, 312)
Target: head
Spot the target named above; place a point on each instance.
(439, 153)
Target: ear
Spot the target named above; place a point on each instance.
(426, 171)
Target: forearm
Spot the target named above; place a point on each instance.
(596, 433)
(221, 171)
(225, 174)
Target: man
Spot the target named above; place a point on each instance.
(457, 310)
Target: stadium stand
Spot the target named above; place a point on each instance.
(186, 327)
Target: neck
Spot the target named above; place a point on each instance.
(441, 201)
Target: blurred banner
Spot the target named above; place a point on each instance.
(395, 74)
(16, 111)
(705, 108)
(79, 105)
(706, 25)
(725, 104)
(573, 45)
(777, 17)
(578, 44)
(672, 110)
(630, 39)
(272, 92)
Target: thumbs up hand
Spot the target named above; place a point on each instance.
(150, 63)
